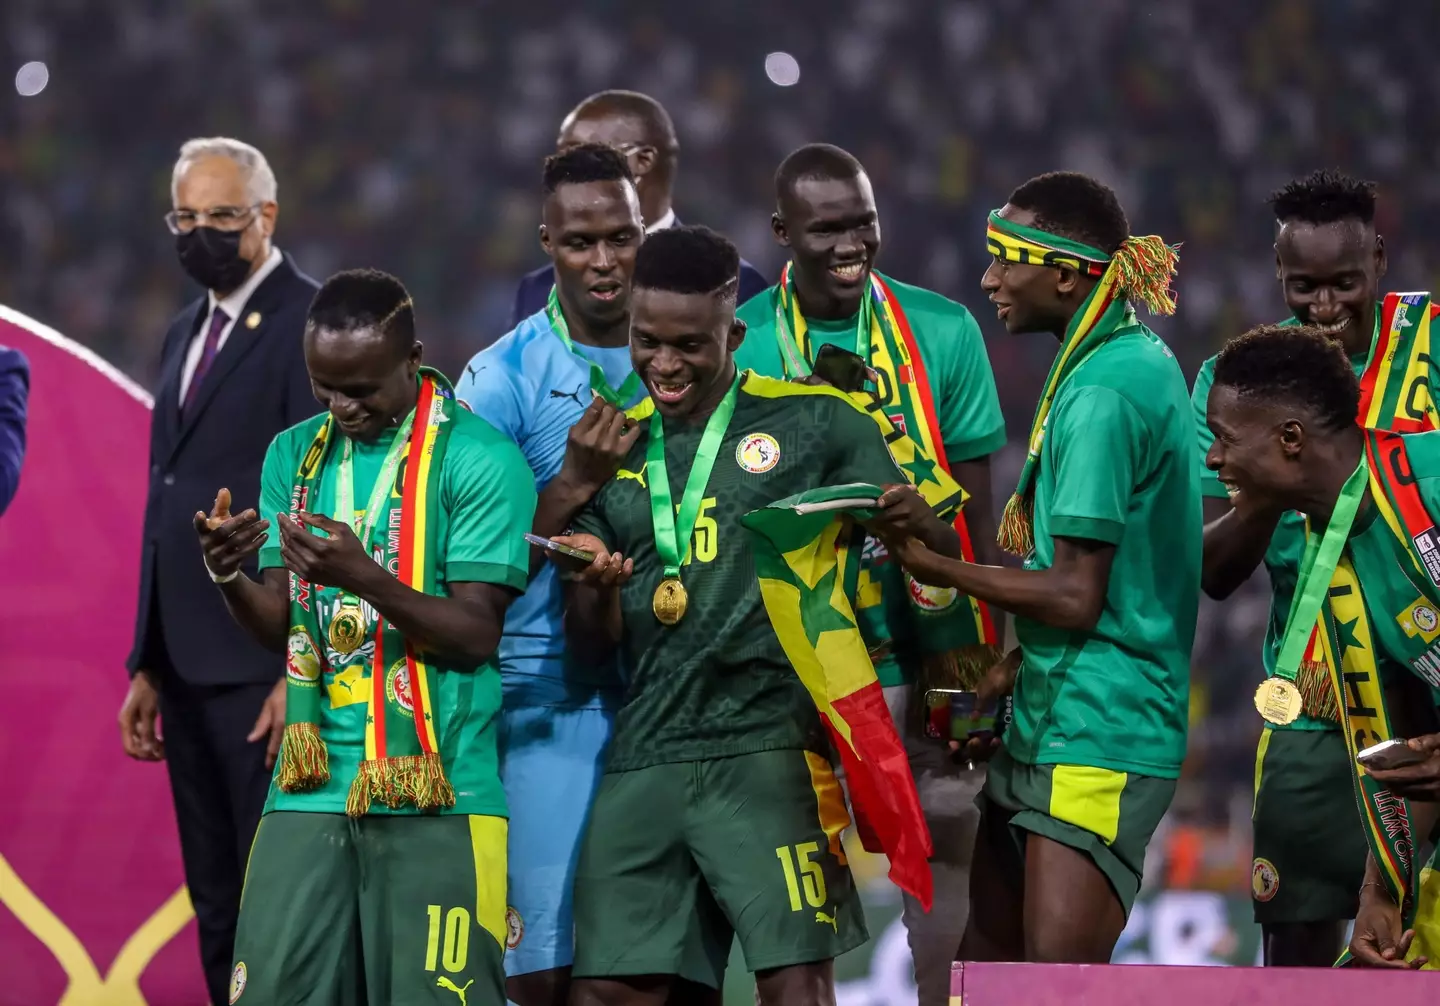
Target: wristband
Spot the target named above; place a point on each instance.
(220, 579)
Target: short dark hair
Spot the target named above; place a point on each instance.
(364, 298)
(655, 122)
(585, 162)
(1323, 197)
(822, 161)
(1296, 364)
(687, 260)
(1075, 206)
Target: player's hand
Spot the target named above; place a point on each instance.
(336, 560)
(994, 685)
(138, 714)
(609, 570)
(228, 540)
(597, 444)
(815, 380)
(1414, 782)
(271, 723)
(902, 511)
(1377, 941)
(924, 565)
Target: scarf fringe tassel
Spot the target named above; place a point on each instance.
(413, 780)
(1317, 691)
(1016, 534)
(304, 760)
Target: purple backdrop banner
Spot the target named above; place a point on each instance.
(1146, 985)
(93, 910)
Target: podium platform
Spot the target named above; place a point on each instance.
(1146, 985)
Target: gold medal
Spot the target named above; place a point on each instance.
(1278, 700)
(670, 601)
(347, 628)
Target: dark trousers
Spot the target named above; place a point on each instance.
(219, 781)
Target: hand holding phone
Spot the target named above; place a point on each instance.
(564, 555)
(841, 369)
(953, 715)
(1391, 754)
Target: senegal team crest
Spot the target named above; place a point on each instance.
(757, 453)
(302, 660)
(238, 979)
(1264, 879)
(514, 928)
(930, 599)
(397, 685)
(1424, 617)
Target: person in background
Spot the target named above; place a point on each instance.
(14, 393)
(945, 399)
(232, 376)
(639, 127)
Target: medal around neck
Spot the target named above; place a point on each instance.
(347, 629)
(670, 602)
(1278, 701)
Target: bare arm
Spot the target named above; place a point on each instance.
(1235, 544)
(261, 607)
(974, 475)
(593, 623)
(1069, 595)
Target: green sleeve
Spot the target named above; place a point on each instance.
(592, 520)
(858, 451)
(490, 499)
(1097, 442)
(1199, 399)
(760, 352)
(277, 478)
(963, 386)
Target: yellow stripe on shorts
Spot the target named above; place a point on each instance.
(1259, 767)
(1088, 797)
(829, 802)
(488, 839)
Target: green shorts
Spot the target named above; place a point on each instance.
(1110, 816)
(1310, 845)
(680, 858)
(384, 909)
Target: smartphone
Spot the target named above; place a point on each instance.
(841, 369)
(1390, 754)
(950, 715)
(579, 555)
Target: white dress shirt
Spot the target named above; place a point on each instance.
(668, 220)
(234, 306)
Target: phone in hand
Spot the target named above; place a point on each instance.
(565, 555)
(950, 715)
(1390, 754)
(841, 369)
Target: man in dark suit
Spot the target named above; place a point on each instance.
(14, 392)
(639, 127)
(232, 376)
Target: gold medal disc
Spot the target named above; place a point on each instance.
(1278, 700)
(347, 628)
(670, 601)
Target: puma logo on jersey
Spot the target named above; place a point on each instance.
(557, 393)
(828, 920)
(445, 983)
(639, 476)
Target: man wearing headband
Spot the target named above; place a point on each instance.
(934, 398)
(1107, 516)
(1309, 853)
(1282, 414)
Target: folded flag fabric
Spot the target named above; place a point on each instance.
(807, 551)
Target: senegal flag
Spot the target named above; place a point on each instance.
(807, 556)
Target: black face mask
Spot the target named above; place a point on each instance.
(212, 258)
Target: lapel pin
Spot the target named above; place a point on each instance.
(252, 320)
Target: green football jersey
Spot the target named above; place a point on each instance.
(1287, 544)
(718, 684)
(487, 506)
(952, 351)
(1117, 467)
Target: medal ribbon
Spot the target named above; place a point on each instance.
(957, 644)
(599, 383)
(1317, 567)
(669, 533)
(379, 493)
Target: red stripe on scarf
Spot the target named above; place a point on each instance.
(408, 531)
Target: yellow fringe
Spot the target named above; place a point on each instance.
(1317, 691)
(432, 790)
(413, 780)
(304, 760)
(1016, 534)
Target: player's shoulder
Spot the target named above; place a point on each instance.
(1136, 367)
(759, 310)
(506, 354)
(475, 444)
(294, 439)
(792, 393)
(917, 300)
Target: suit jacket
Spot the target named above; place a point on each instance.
(256, 386)
(14, 393)
(535, 289)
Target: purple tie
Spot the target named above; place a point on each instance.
(207, 355)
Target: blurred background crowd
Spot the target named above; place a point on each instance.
(409, 137)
